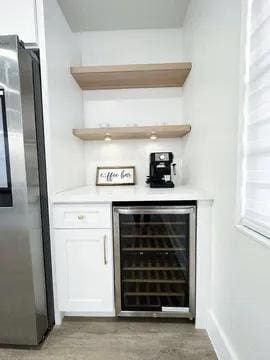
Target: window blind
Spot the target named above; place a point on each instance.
(256, 165)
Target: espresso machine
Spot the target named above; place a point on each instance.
(161, 167)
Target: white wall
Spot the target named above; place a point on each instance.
(131, 46)
(239, 324)
(62, 99)
(18, 17)
(62, 108)
(131, 107)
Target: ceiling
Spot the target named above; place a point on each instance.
(91, 15)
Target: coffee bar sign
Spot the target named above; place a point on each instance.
(120, 175)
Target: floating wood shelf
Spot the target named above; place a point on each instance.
(131, 76)
(121, 133)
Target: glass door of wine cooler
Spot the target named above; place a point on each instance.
(155, 261)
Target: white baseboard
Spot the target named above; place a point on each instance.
(219, 339)
(58, 315)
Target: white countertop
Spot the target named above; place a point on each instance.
(105, 194)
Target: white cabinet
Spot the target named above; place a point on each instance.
(84, 270)
(19, 17)
(83, 258)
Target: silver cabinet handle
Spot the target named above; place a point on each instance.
(105, 250)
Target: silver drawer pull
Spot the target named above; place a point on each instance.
(81, 217)
(105, 250)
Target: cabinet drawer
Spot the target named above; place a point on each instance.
(96, 216)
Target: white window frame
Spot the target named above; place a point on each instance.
(240, 196)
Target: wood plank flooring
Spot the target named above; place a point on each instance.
(120, 340)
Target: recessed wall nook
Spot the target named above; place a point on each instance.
(134, 178)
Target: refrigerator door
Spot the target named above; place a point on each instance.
(23, 307)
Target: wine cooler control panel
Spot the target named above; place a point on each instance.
(154, 248)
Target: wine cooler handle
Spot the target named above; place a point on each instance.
(105, 250)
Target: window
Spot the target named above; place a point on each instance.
(255, 202)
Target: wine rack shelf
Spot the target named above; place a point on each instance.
(161, 276)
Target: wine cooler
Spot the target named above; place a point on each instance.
(154, 249)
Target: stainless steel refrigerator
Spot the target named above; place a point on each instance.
(26, 295)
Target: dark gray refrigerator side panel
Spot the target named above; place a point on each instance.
(33, 190)
(44, 207)
(23, 310)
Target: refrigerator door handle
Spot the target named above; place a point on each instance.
(5, 176)
(105, 250)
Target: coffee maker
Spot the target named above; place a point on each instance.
(161, 166)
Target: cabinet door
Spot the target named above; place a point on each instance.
(84, 270)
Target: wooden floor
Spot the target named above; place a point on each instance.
(120, 340)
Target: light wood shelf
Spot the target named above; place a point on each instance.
(131, 76)
(144, 132)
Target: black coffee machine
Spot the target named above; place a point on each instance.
(160, 170)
